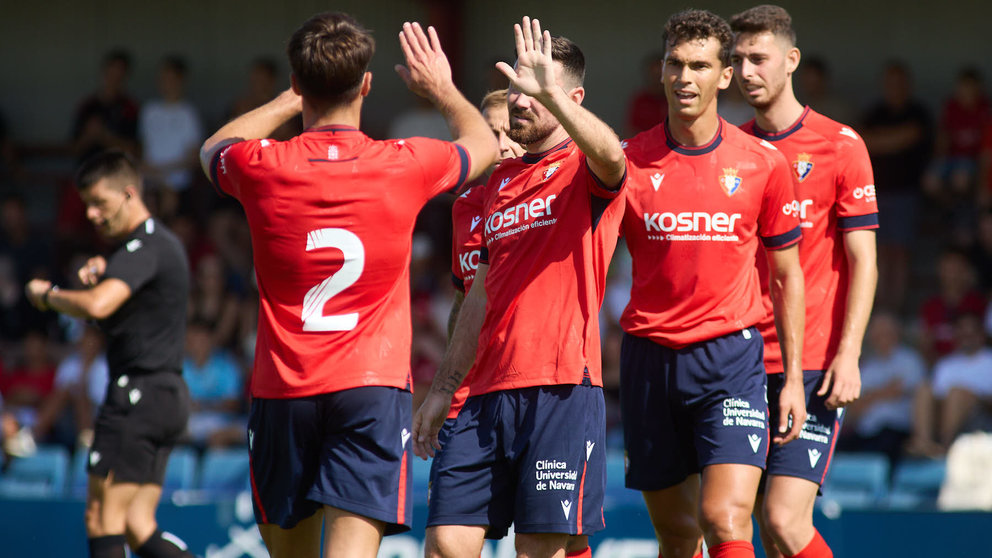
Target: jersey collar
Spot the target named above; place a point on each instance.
(531, 158)
(687, 150)
(775, 136)
(333, 128)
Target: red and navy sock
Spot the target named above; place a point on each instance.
(584, 553)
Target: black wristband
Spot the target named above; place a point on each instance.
(44, 297)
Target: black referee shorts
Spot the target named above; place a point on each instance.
(141, 419)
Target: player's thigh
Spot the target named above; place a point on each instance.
(107, 503)
(141, 512)
(454, 541)
(787, 502)
(809, 456)
(726, 500)
(349, 535)
(302, 540)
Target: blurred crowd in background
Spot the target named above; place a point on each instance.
(926, 366)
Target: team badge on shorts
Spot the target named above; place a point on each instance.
(803, 165)
(552, 168)
(730, 181)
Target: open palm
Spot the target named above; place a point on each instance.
(534, 74)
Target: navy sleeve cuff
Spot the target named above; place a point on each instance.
(466, 163)
(458, 282)
(856, 222)
(484, 255)
(214, 163)
(783, 240)
(607, 191)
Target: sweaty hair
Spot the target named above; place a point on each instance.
(690, 25)
(114, 164)
(493, 99)
(765, 18)
(573, 62)
(329, 55)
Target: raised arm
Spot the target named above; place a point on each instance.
(535, 76)
(428, 74)
(100, 300)
(255, 124)
(457, 362)
(788, 299)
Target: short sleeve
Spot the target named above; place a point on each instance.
(227, 169)
(135, 263)
(857, 207)
(444, 164)
(778, 219)
(596, 186)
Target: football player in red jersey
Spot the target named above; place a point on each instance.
(834, 186)
(331, 214)
(527, 447)
(701, 196)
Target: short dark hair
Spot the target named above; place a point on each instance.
(175, 63)
(766, 18)
(117, 55)
(112, 163)
(329, 55)
(693, 24)
(572, 61)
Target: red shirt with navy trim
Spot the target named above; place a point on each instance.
(550, 231)
(835, 188)
(693, 222)
(331, 214)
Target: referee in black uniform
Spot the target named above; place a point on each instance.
(138, 295)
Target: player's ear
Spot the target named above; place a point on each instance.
(293, 85)
(366, 84)
(578, 94)
(792, 60)
(726, 76)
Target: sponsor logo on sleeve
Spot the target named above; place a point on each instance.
(845, 131)
(133, 245)
(866, 193)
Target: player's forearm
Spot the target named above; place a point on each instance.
(468, 129)
(460, 354)
(591, 135)
(862, 274)
(82, 303)
(256, 124)
(456, 306)
(789, 303)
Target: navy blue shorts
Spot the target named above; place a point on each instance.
(684, 409)
(347, 449)
(807, 457)
(533, 457)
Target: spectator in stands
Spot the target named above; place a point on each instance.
(26, 385)
(216, 388)
(648, 108)
(960, 394)
(171, 133)
(891, 371)
(814, 89)
(213, 301)
(109, 117)
(898, 131)
(959, 138)
(956, 295)
(80, 385)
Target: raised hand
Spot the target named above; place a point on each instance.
(534, 74)
(427, 72)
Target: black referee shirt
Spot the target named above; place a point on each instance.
(147, 332)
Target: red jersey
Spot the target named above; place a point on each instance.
(693, 220)
(549, 233)
(833, 181)
(331, 214)
(466, 246)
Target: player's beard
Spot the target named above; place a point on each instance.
(532, 131)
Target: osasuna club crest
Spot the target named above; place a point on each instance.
(730, 181)
(803, 165)
(552, 168)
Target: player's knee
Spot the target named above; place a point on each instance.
(724, 519)
(780, 519)
(440, 544)
(94, 523)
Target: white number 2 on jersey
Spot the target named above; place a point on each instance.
(354, 262)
